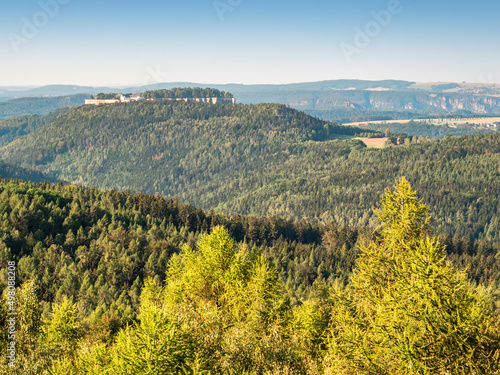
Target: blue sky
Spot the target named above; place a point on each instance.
(111, 42)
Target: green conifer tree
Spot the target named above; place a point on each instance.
(407, 310)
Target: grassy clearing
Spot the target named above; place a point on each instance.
(373, 142)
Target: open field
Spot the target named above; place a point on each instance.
(373, 142)
(436, 121)
(378, 89)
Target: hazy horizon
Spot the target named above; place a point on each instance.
(207, 84)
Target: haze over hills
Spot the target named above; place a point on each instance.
(59, 90)
(339, 101)
(238, 89)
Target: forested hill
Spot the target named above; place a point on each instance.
(22, 125)
(15, 172)
(265, 160)
(39, 105)
(166, 147)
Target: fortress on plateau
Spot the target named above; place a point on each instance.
(138, 97)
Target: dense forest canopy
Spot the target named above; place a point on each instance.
(178, 92)
(427, 129)
(121, 282)
(256, 295)
(265, 160)
(15, 172)
(103, 96)
(23, 125)
(345, 115)
(38, 105)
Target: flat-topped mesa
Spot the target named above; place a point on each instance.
(211, 96)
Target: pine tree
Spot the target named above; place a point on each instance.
(408, 311)
(63, 331)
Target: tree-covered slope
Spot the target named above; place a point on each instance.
(38, 105)
(14, 172)
(265, 160)
(169, 148)
(22, 125)
(422, 128)
(459, 178)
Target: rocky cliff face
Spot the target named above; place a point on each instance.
(391, 100)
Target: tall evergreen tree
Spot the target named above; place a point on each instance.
(407, 310)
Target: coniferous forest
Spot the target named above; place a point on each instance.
(265, 160)
(229, 187)
(115, 282)
(244, 239)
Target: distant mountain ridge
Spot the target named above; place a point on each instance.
(341, 84)
(60, 90)
(339, 100)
